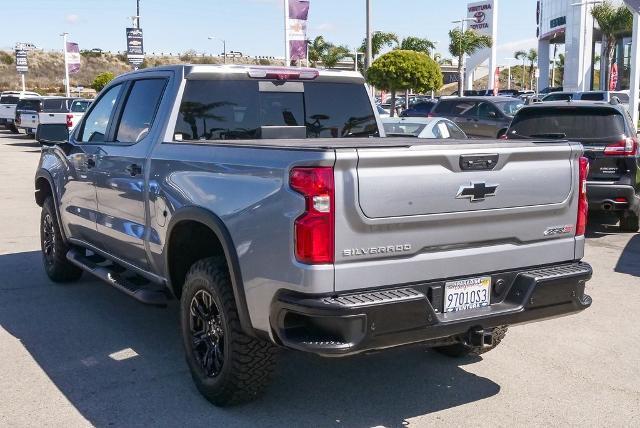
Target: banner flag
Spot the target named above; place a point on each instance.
(297, 28)
(73, 57)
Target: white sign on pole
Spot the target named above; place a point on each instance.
(484, 18)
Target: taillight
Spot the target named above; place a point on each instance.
(626, 147)
(503, 137)
(69, 121)
(283, 73)
(583, 205)
(314, 230)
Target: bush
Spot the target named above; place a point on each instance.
(101, 80)
(5, 58)
(264, 61)
(188, 56)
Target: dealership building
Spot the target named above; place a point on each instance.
(569, 23)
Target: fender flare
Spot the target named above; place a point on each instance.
(217, 226)
(46, 175)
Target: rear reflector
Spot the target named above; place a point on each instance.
(626, 147)
(314, 230)
(621, 200)
(583, 205)
(283, 73)
(69, 121)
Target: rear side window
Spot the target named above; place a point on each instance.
(54, 105)
(423, 107)
(624, 98)
(558, 97)
(32, 105)
(595, 96)
(9, 99)
(585, 123)
(140, 110)
(236, 110)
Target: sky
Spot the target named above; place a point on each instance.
(253, 27)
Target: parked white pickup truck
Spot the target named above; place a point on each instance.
(32, 112)
(8, 102)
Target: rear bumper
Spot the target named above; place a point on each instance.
(602, 197)
(353, 323)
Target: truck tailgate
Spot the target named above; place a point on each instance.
(47, 118)
(29, 119)
(423, 212)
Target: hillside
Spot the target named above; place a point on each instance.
(46, 69)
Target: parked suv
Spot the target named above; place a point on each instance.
(485, 117)
(609, 138)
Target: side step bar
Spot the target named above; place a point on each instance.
(112, 275)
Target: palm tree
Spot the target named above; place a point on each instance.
(532, 56)
(334, 54)
(613, 22)
(442, 61)
(417, 44)
(466, 43)
(317, 48)
(379, 40)
(560, 69)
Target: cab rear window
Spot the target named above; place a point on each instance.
(238, 110)
(9, 99)
(574, 122)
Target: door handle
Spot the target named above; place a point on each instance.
(134, 169)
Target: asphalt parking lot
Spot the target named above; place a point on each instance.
(85, 354)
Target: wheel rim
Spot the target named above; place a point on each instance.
(48, 238)
(207, 333)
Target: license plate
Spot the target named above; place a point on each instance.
(466, 294)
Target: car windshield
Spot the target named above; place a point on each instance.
(586, 123)
(510, 108)
(79, 106)
(408, 129)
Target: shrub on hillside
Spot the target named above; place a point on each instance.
(5, 58)
(101, 80)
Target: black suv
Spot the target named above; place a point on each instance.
(484, 117)
(608, 135)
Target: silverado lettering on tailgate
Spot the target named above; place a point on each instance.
(349, 252)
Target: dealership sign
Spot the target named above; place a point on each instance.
(22, 65)
(633, 5)
(482, 15)
(135, 49)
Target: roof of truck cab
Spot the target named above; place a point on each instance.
(213, 71)
(572, 104)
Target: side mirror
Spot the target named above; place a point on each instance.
(493, 114)
(50, 134)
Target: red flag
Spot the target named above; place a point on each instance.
(613, 79)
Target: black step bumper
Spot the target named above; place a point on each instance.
(602, 197)
(348, 324)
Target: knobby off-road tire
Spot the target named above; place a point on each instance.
(227, 366)
(54, 249)
(629, 222)
(461, 350)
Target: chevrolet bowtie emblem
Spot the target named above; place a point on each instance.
(477, 191)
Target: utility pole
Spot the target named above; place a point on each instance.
(369, 53)
(66, 67)
(138, 14)
(224, 47)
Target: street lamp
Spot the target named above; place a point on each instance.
(224, 46)
(584, 37)
(461, 59)
(509, 81)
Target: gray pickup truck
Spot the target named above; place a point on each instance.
(268, 203)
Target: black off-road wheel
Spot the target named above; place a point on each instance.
(54, 249)
(629, 222)
(459, 350)
(227, 366)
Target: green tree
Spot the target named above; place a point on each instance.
(321, 51)
(101, 80)
(613, 22)
(317, 48)
(417, 44)
(401, 70)
(467, 43)
(532, 56)
(379, 40)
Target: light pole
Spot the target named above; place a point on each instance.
(509, 66)
(66, 67)
(461, 56)
(584, 38)
(369, 53)
(224, 46)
